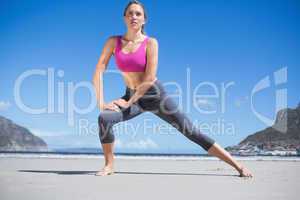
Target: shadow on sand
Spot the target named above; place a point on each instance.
(61, 172)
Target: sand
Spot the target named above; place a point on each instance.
(73, 178)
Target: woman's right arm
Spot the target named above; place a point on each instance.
(101, 66)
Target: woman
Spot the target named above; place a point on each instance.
(136, 56)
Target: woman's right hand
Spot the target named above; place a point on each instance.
(110, 106)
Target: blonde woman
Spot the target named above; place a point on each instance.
(136, 56)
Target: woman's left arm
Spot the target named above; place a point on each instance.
(150, 72)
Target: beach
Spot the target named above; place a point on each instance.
(145, 178)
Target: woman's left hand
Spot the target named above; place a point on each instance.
(122, 103)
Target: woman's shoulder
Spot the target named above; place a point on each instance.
(151, 38)
(113, 38)
(152, 41)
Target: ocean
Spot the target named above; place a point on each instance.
(95, 153)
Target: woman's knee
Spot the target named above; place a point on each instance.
(106, 137)
(105, 132)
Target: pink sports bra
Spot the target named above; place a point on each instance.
(131, 62)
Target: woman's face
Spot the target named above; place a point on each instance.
(134, 17)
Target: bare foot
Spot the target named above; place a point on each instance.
(105, 171)
(244, 172)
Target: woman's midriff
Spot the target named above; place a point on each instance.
(133, 79)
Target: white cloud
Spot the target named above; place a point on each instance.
(118, 143)
(46, 133)
(4, 105)
(67, 139)
(139, 144)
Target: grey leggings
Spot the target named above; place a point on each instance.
(157, 101)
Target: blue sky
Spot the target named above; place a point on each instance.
(215, 43)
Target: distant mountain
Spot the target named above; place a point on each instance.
(283, 135)
(17, 138)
